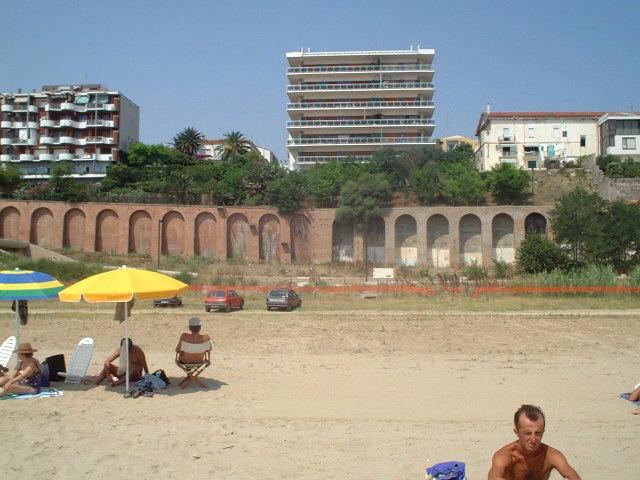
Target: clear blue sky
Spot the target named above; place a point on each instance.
(220, 65)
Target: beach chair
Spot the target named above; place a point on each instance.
(79, 361)
(6, 351)
(194, 369)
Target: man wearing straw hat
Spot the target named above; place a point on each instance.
(27, 375)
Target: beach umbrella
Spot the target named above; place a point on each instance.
(122, 285)
(27, 285)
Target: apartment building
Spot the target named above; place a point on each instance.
(351, 104)
(453, 141)
(620, 135)
(212, 150)
(527, 139)
(88, 125)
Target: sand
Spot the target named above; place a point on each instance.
(331, 395)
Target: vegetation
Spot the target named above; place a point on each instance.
(188, 141)
(615, 167)
(537, 254)
(508, 183)
(234, 145)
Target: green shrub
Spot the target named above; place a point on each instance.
(633, 278)
(537, 253)
(475, 272)
(502, 270)
(62, 271)
(589, 276)
(184, 277)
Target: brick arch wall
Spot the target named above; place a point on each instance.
(74, 229)
(305, 236)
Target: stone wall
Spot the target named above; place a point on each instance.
(440, 237)
(625, 189)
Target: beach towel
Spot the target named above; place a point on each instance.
(625, 396)
(44, 392)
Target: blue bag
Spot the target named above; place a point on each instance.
(447, 471)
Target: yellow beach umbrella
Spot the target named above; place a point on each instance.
(122, 285)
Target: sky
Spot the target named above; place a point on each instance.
(220, 66)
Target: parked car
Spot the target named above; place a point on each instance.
(283, 298)
(223, 299)
(168, 302)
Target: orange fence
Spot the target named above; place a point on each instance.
(263, 289)
(538, 290)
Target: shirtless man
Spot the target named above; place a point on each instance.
(117, 375)
(195, 325)
(528, 458)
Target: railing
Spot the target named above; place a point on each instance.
(359, 86)
(350, 140)
(509, 138)
(347, 123)
(393, 104)
(364, 52)
(360, 68)
(328, 158)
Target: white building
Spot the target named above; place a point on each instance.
(527, 139)
(88, 125)
(212, 150)
(350, 104)
(620, 135)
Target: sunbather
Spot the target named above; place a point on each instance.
(116, 375)
(195, 337)
(27, 375)
(635, 397)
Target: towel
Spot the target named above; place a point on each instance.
(625, 396)
(44, 392)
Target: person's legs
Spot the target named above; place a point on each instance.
(108, 371)
(17, 389)
(635, 395)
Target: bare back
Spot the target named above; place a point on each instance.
(192, 338)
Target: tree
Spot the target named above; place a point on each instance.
(180, 185)
(577, 218)
(234, 144)
(536, 254)
(508, 183)
(426, 183)
(363, 199)
(9, 179)
(63, 186)
(461, 184)
(188, 141)
(286, 193)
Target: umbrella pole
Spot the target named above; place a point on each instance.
(126, 341)
(17, 325)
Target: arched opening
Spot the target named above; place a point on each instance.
(341, 242)
(503, 238)
(140, 232)
(42, 228)
(173, 234)
(73, 230)
(470, 240)
(205, 235)
(107, 223)
(438, 241)
(237, 235)
(375, 240)
(269, 227)
(535, 223)
(10, 223)
(406, 234)
(300, 239)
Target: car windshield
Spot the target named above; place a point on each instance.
(216, 294)
(278, 293)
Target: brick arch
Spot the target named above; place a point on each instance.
(376, 240)
(237, 236)
(41, 232)
(535, 222)
(300, 239)
(269, 230)
(74, 229)
(205, 235)
(341, 242)
(173, 233)
(503, 240)
(140, 240)
(10, 223)
(470, 229)
(107, 228)
(438, 239)
(406, 234)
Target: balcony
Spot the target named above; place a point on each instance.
(99, 140)
(509, 159)
(65, 156)
(101, 106)
(24, 125)
(6, 108)
(358, 140)
(23, 107)
(46, 157)
(6, 124)
(8, 158)
(7, 140)
(360, 86)
(27, 157)
(45, 122)
(47, 140)
(507, 139)
(104, 158)
(71, 140)
(310, 159)
(382, 122)
(423, 67)
(31, 142)
(364, 105)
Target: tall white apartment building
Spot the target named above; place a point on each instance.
(88, 125)
(527, 139)
(350, 104)
(620, 134)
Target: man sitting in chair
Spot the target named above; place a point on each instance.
(193, 353)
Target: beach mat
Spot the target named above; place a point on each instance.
(625, 396)
(44, 392)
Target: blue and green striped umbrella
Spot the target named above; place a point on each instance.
(27, 285)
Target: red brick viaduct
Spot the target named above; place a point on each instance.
(438, 237)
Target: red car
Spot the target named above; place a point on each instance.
(223, 299)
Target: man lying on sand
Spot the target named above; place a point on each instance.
(528, 458)
(117, 375)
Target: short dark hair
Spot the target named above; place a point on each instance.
(195, 329)
(532, 412)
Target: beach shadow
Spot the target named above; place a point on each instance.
(72, 387)
(174, 386)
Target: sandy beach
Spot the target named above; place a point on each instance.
(349, 394)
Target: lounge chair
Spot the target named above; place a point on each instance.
(79, 361)
(6, 352)
(194, 369)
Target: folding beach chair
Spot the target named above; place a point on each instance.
(194, 369)
(6, 351)
(79, 361)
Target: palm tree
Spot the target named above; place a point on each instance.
(235, 144)
(188, 141)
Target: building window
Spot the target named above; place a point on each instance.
(556, 132)
(506, 133)
(531, 132)
(583, 141)
(86, 169)
(628, 143)
(564, 134)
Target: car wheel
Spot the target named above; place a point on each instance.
(288, 308)
(268, 309)
(207, 309)
(242, 306)
(227, 308)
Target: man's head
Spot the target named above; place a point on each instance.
(195, 324)
(529, 427)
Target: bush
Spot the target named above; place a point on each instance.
(184, 277)
(633, 278)
(588, 276)
(537, 253)
(551, 163)
(475, 272)
(502, 270)
(62, 271)
(508, 183)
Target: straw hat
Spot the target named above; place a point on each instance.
(25, 348)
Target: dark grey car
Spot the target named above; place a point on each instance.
(284, 299)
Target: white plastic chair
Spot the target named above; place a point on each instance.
(6, 351)
(80, 360)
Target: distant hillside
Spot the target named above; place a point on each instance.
(549, 185)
